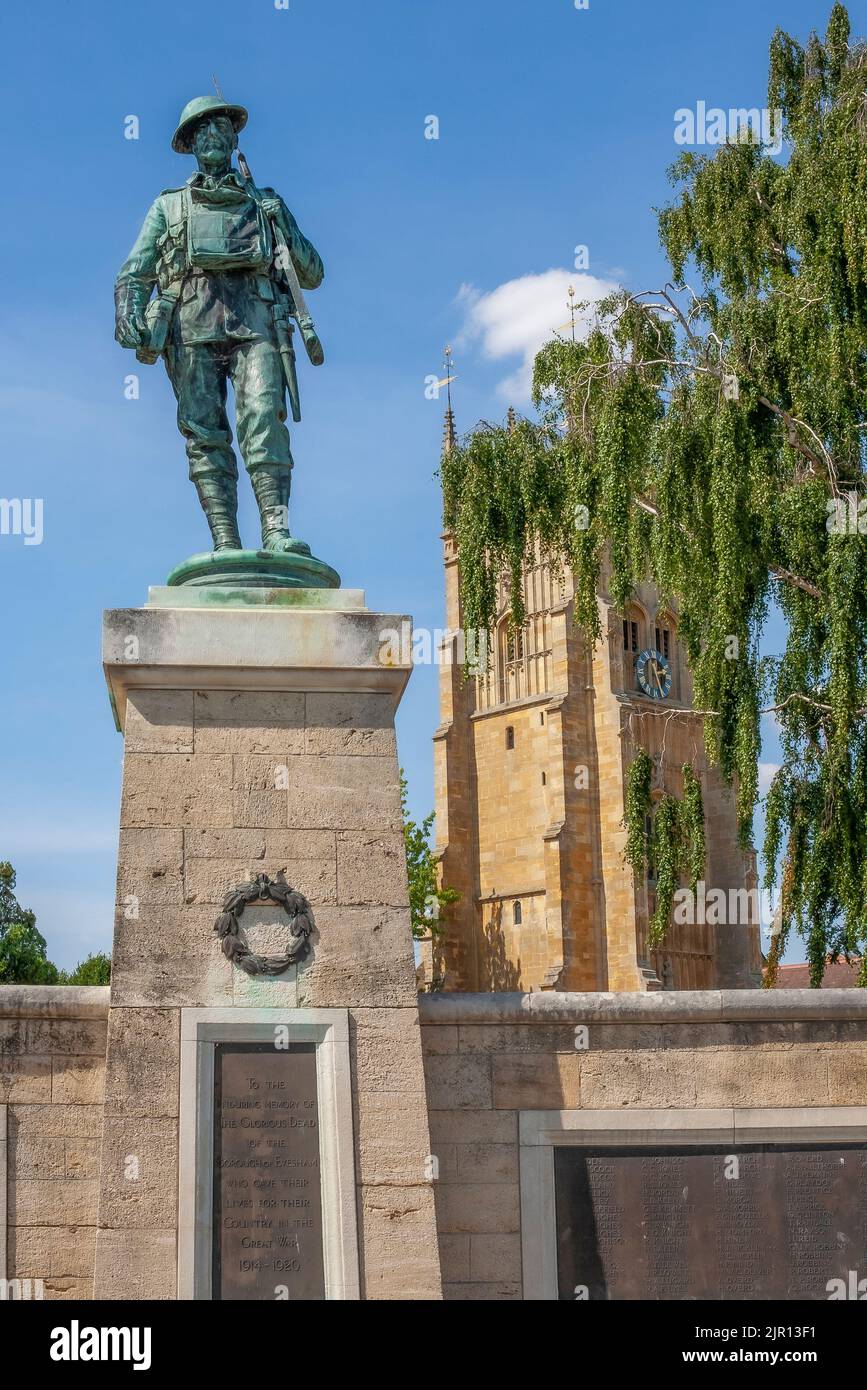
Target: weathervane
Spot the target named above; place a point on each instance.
(573, 305)
(572, 309)
(448, 363)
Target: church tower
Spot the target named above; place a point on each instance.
(530, 769)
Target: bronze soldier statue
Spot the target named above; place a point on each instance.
(228, 264)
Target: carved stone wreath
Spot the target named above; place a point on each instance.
(263, 889)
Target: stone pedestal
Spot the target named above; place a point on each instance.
(259, 739)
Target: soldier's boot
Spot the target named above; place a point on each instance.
(271, 487)
(219, 499)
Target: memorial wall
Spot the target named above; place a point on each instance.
(708, 1144)
(677, 1145)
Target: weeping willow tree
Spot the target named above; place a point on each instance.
(711, 436)
(669, 838)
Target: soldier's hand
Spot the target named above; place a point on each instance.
(130, 332)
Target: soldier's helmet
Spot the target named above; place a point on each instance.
(204, 106)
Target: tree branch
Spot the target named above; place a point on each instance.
(776, 570)
(791, 422)
(795, 579)
(822, 461)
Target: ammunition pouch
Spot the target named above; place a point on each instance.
(172, 246)
(158, 320)
(232, 234)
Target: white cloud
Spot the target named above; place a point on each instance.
(767, 773)
(519, 317)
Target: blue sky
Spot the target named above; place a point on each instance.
(556, 127)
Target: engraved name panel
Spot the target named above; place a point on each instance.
(709, 1222)
(267, 1218)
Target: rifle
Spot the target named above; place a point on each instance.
(284, 261)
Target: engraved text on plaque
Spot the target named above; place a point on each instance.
(267, 1218)
(709, 1222)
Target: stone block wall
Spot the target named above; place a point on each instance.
(487, 1059)
(52, 1076)
(219, 786)
(490, 1057)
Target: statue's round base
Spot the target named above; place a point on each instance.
(256, 569)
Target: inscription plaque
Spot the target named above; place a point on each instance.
(267, 1226)
(710, 1221)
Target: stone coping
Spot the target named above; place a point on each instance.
(674, 1006)
(666, 1006)
(54, 1001)
(285, 648)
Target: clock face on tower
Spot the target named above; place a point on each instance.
(654, 674)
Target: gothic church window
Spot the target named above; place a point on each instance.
(515, 647)
(511, 673)
(665, 638)
(633, 641)
(517, 914)
(522, 665)
(510, 737)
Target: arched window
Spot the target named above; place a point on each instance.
(510, 737)
(522, 663)
(665, 641)
(511, 676)
(633, 642)
(515, 646)
(630, 635)
(517, 914)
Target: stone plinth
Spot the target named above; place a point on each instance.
(259, 739)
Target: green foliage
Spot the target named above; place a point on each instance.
(11, 910)
(637, 809)
(95, 969)
(675, 845)
(23, 951)
(426, 898)
(23, 958)
(691, 816)
(666, 845)
(707, 428)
